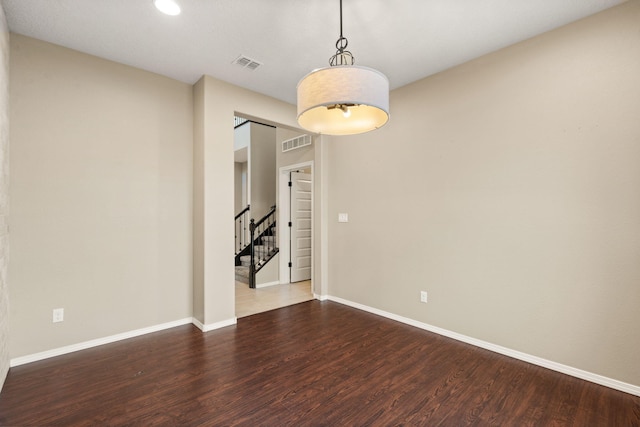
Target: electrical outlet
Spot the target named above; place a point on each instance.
(58, 315)
(423, 296)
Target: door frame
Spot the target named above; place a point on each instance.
(284, 214)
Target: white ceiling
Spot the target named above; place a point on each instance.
(405, 39)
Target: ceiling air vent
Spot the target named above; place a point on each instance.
(247, 63)
(297, 142)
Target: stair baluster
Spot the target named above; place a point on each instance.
(252, 266)
(241, 236)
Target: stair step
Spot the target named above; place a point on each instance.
(245, 260)
(242, 274)
(262, 250)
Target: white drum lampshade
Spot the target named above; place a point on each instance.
(343, 100)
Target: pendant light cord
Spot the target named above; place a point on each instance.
(341, 19)
(342, 56)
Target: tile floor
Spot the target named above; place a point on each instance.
(251, 301)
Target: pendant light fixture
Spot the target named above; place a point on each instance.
(343, 99)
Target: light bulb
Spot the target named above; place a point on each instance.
(346, 112)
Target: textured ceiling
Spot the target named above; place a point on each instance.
(405, 39)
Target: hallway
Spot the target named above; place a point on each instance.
(251, 301)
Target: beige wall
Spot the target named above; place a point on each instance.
(509, 189)
(262, 162)
(269, 274)
(101, 195)
(4, 196)
(198, 200)
(239, 174)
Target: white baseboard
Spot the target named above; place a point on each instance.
(558, 367)
(94, 343)
(264, 285)
(320, 297)
(118, 337)
(212, 326)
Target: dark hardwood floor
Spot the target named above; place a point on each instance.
(311, 364)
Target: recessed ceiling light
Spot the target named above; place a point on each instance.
(168, 7)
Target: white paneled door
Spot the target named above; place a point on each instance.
(300, 228)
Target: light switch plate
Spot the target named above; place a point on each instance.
(343, 217)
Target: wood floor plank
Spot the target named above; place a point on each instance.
(311, 364)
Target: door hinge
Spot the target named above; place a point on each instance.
(290, 184)
(290, 265)
(290, 224)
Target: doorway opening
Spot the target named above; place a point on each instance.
(276, 287)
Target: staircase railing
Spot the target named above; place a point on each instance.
(242, 230)
(237, 121)
(262, 232)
